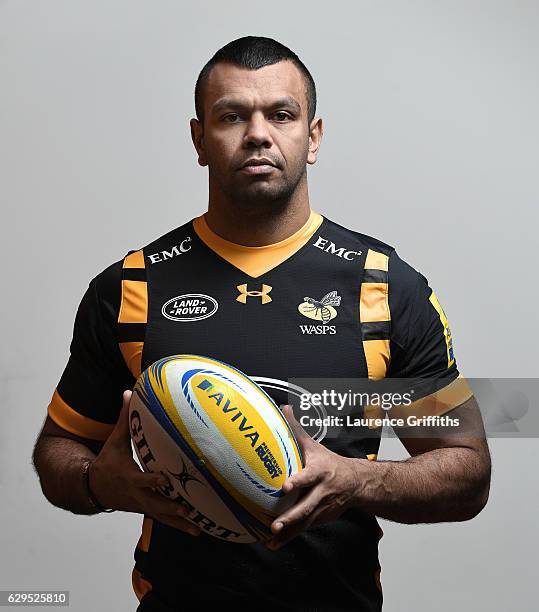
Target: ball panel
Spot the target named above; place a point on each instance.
(242, 426)
(239, 504)
(188, 484)
(229, 431)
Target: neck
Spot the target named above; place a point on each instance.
(250, 225)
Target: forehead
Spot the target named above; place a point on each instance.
(260, 86)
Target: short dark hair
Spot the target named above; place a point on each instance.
(253, 52)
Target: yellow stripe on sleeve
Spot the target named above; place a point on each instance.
(374, 302)
(377, 357)
(436, 404)
(376, 261)
(64, 416)
(451, 396)
(132, 354)
(134, 306)
(134, 260)
(447, 332)
(374, 308)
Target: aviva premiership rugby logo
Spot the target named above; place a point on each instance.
(322, 310)
(190, 307)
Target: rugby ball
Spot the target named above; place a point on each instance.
(221, 441)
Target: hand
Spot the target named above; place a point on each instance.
(331, 482)
(117, 482)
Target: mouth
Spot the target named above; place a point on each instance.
(260, 165)
(261, 169)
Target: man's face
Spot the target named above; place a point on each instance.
(254, 115)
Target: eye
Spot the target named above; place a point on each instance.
(230, 118)
(282, 116)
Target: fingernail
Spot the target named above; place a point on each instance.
(278, 526)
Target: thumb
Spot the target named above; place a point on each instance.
(303, 438)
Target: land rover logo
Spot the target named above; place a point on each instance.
(190, 307)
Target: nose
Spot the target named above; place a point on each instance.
(257, 133)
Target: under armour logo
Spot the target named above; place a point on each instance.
(263, 295)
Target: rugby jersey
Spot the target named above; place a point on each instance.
(272, 312)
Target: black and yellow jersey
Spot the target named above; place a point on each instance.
(325, 302)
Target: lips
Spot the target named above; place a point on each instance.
(259, 170)
(258, 161)
(258, 166)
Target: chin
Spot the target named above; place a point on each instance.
(264, 191)
(262, 202)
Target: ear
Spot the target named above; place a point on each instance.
(197, 136)
(316, 131)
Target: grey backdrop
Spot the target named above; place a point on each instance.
(430, 144)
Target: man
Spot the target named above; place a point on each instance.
(261, 253)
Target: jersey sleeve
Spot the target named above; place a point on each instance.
(88, 397)
(421, 345)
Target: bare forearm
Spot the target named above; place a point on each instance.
(446, 484)
(58, 462)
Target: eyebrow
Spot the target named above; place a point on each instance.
(223, 103)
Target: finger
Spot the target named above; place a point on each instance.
(155, 503)
(285, 535)
(298, 513)
(146, 480)
(307, 477)
(282, 539)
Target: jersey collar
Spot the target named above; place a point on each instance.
(256, 260)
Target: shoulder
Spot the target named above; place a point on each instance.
(105, 288)
(174, 241)
(399, 271)
(349, 236)
(384, 265)
(404, 279)
(107, 283)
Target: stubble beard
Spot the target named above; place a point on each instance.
(258, 194)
